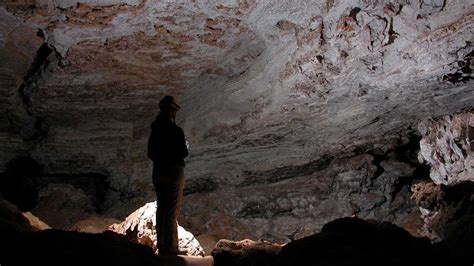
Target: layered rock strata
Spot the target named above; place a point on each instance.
(447, 212)
(291, 107)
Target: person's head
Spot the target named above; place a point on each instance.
(169, 106)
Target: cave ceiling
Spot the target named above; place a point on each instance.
(262, 84)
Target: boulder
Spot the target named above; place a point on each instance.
(140, 228)
(345, 241)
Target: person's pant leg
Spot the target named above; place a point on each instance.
(177, 201)
(160, 189)
(169, 190)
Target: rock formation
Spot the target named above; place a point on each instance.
(347, 241)
(246, 252)
(139, 227)
(288, 203)
(448, 147)
(25, 241)
(13, 221)
(298, 112)
(93, 224)
(446, 201)
(58, 247)
(447, 212)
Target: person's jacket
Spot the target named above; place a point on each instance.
(167, 144)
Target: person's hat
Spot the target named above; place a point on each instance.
(168, 101)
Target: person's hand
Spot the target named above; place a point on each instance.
(187, 144)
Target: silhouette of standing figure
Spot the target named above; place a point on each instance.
(167, 148)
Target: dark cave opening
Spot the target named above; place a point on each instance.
(23, 179)
(463, 72)
(19, 184)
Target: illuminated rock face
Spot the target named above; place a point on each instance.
(140, 228)
(297, 111)
(448, 146)
(446, 202)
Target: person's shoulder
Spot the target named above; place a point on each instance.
(177, 128)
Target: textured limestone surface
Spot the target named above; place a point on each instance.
(284, 204)
(288, 105)
(93, 224)
(448, 147)
(61, 206)
(139, 227)
(447, 211)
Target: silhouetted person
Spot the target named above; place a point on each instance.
(167, 148)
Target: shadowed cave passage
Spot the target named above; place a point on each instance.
(23, 179)
(298, 114)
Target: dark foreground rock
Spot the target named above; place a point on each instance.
(351, 241)
(346, 241)
(60, 247)
(22, 242)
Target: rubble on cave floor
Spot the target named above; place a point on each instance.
(345, 241)
(24, 241)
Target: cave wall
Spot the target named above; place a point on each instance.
(445, 201)
(448, 147)
(295, 109)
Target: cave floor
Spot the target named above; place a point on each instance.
(186, 260)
